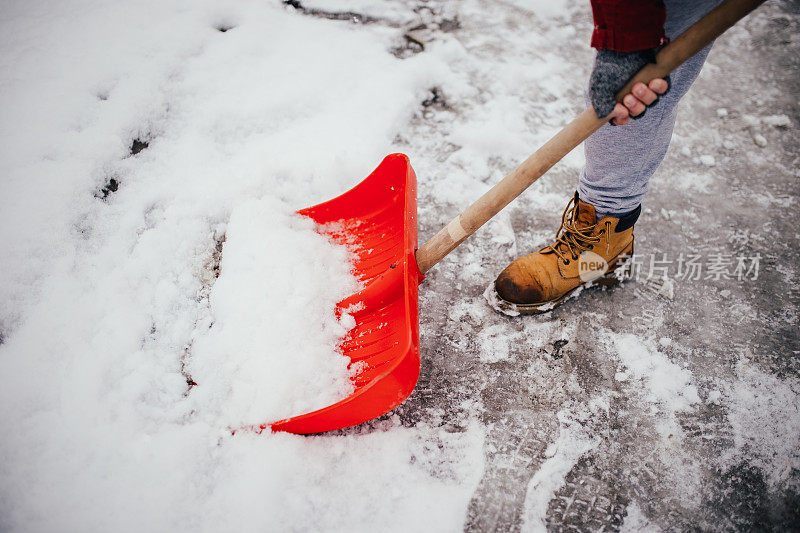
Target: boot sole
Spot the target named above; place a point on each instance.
(611, 278)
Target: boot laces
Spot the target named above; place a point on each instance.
(572, 240)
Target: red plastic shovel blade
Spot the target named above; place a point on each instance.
(377, 219)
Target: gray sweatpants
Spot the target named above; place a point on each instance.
(621, 159)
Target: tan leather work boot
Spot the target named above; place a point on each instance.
(586, 251)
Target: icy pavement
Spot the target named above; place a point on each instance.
(129, 171)
(657, 405)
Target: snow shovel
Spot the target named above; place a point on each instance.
(377, 219)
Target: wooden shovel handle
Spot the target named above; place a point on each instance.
(668, 59)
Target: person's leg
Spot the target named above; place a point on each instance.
(594, 234)
(621, 159)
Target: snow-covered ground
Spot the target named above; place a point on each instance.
(157, 291)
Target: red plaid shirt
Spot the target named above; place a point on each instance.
(628, 25)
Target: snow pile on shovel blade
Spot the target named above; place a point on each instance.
(270, 350)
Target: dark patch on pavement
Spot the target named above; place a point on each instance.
(138, 145)
(111, 186)
(350, 16)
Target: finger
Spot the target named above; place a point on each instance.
(633, 104)
(659, 85)
(621, 121)
(644, 93)
(621, 115)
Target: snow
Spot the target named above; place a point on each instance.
(572, 443)
(253, 357)
(667, 384)
(760, 140)
(125, 363)
(708, 160)
(693, 181)
(713, 396)
(493, 344)
(765, 415)
(494, 301)
(778, 121)
(636, 521)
